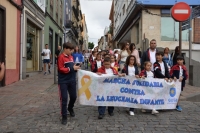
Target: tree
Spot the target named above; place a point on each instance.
(90, 45)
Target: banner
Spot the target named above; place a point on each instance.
(128, 91)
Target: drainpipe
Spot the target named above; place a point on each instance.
(21, 41)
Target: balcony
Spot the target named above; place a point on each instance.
(74, 29)
(132, 2)
(76, 13)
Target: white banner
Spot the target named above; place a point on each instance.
(110, 90)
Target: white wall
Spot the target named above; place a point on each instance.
(118, 13)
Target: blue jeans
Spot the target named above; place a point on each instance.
(102, 110)
(64, 90)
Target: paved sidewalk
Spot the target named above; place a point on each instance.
(32, 105)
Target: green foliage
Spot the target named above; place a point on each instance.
(90, 45)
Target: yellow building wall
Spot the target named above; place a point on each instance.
(11, 34)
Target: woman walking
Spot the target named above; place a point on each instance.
(125, 52)
(135, 53)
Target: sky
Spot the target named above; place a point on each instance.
(97, 17)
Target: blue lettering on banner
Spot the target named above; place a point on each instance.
(100, 99)
(147, 84)
(132, 91)
(121, 99)
(117, 81)
(152, 102)
(173, 100)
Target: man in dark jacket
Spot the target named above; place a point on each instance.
(150, 54)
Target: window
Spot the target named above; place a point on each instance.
(137, 34)
(51, 8)
(124, 9)
(170, 28)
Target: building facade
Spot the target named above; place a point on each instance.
(136, 20)
(10, 12)
(53, 29)
(84, 33)
(33, 22)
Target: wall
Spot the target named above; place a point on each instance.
(197, 30)
(50, 24)
(151, 27)
(12, 41)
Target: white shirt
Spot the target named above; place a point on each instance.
(124, 55)
(116, 55)
(93, 57)
(47, 52)
(131, 71)
(162, 68)
(181, 71)
(98, 64)
(150, 74)
(77, 60)
(113, 64)
(109, 71)
(152, 57)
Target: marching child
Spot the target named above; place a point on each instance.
(179, 71)
(92, 58)
(131, 69)
(147, 73)
(114, 63)
(97, 63)
(160, 67)
(106, 69)
(67, 81)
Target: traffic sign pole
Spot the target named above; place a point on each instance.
(180, 12)
(180, 38)
(190, 40)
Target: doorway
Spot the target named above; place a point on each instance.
(31, 49)
(2, 40)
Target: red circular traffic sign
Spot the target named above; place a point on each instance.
(180, 11)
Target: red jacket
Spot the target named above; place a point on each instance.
(144, 73)
(66, 71)
(116, 64)
(103, 70)
(94, 66)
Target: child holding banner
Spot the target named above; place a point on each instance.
(179, 71)
(114, 63)
(147, 73)
(160, 67)
(106, 69)
(97, 63)
(131, 69)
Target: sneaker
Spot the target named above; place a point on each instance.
(143, 111)
(45, 73)
(100, 117)
(111, 114)
(64, 120)
(49, 71)
(178, 108)
(154, 112)
(131, 113)
(71, 112)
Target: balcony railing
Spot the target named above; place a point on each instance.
(76, 13)
(130, 6)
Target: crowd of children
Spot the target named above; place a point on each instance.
(108, 64)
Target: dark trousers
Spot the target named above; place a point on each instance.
(102, 109)
(131, 109)
(64, 90)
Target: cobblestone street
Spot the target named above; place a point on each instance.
(32, 105)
